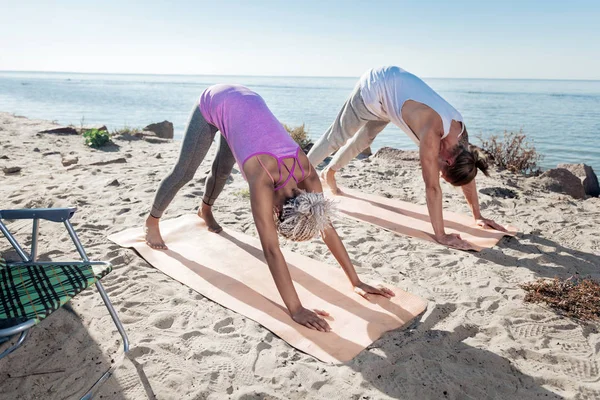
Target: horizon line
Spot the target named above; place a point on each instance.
(283, 76)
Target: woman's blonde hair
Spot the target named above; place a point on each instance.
(304, 216)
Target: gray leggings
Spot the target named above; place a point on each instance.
(198, 138)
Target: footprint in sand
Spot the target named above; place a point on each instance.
(481, 314)
(191, 335)
(528, 330)
(571, 339)
(429, 371)
(447, 295)
(162, 320)
(588, 393)
(224, 326)
(582, 370)
(140, 351)
(318, 385)
(377, 260)
(266, 360)
(257, 396)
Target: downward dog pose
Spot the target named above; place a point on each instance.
(285, 193)
(391, 94)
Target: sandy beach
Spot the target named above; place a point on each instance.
(477, 340)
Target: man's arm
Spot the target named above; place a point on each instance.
(429, 149)
(470, 192)
(429, 154)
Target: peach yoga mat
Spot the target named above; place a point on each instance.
(229, 268)
(410, 219)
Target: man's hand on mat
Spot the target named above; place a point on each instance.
(488, 223)
(365, 290)
(455, 241)
(311, 319)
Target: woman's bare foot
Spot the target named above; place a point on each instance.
(328, 175)
(153, 237)
(206, 214)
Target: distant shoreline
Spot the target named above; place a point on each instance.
(544, 110)
(289, 76)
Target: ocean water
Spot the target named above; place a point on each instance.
(561, 118)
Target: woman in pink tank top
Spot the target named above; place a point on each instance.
(285, 192)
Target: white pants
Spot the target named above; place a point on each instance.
(354, 128)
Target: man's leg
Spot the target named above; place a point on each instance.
(358, 143)
(353, 116)
(363, 139)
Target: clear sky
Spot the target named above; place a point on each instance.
(470, 39)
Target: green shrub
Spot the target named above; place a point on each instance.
(300, 135)
(243, 193)
(96, 138)
(513, 152)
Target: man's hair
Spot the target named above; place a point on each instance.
(465, 166)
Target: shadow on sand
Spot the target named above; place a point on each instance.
(420, 362)
(60, 359)
(546, 258)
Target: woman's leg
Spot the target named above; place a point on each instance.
(197, 140)
(353, 116)
(215, 182)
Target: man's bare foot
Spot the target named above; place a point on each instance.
(328, 175)
(206, 214)
(153, 237)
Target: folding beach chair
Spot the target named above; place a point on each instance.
(31, 290)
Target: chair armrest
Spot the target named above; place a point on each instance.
(50, 214)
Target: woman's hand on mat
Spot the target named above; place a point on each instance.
(366, 290)
(311, 319)
(488, 223)
(455, 241)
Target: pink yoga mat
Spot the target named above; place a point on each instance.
(229, 268)
(410, 219)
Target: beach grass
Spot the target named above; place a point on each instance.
(513, 152)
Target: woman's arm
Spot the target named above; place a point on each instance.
(335, 245)
(261, 199)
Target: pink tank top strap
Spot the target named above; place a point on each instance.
(266, 169)
(302, 169)
(296, 162)
(290, 173)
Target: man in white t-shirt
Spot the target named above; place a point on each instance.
(391, 94)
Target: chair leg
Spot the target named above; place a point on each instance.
(120, 328)
(113, 314)
(16, 345)
(90, 393)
